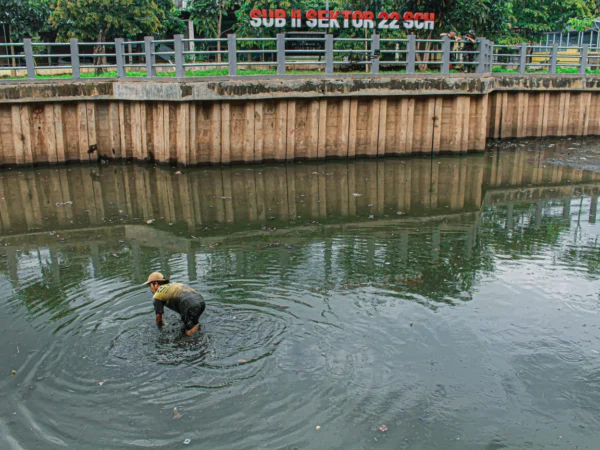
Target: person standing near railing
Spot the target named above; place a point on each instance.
(469, 43)
(454, 46)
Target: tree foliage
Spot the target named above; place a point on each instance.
(23, 18)
(99, 20)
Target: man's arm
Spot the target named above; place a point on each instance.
(159, 309)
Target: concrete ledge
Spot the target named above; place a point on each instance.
(293, 86)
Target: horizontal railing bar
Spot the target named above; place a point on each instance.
(95, 44)
(257, 39)
(110, 66)
(43, 55)
(204, 40)
(305, 39)
(205, 64)
(211, 52)
(93, 55)
(266, 63)
(304, 51)
(256, 51)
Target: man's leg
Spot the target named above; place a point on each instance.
(192, 324)
(193, 330)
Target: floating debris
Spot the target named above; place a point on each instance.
(357, 194)
(187, 441)
(150, 221)
(178, 172)
(59, 204)
(14, 372)
(383, 428)
(399, 213)
(100, 383)
(176, 414)
(318, 427)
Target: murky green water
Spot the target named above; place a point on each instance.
(454, 300)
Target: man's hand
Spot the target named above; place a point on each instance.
(159, 320)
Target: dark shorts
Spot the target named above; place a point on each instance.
(192, 315)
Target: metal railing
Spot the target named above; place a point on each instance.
(180, 57)
(546, 58)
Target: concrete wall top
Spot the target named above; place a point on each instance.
(273, 87)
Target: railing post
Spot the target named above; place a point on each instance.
(179, 60)
(479, 57)
(150, 57)
(29, 61)
(375, 52)
(483, 56)
(281, 54)
(583, 59)
(232, 54)
(553, 58)
(522, 58)
(445, 55)
(329, 54)
(75, 70)
(490, 59)
(119, 51)
(411, 53)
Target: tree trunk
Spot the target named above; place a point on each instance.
(12, 52)
(100, 49)
(425, 56)
(219, 33)
(367, 68)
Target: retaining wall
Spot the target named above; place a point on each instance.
(225, 120)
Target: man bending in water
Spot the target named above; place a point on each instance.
(178, 297)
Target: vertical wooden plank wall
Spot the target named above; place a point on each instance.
(192, 133)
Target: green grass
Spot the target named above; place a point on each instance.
(559, 70)
(188, 73)
(258, 72)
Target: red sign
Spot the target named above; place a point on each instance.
(278, 18)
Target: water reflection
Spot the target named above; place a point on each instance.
(344, 294)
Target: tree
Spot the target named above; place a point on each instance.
(207, 16)
(23, 18)
(101, 20)
(538, 16)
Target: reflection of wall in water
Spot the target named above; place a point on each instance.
(249, 194)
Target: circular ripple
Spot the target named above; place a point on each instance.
(231, 339)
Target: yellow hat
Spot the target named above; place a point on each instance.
(155, 276)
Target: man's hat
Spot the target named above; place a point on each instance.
(155, 276)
